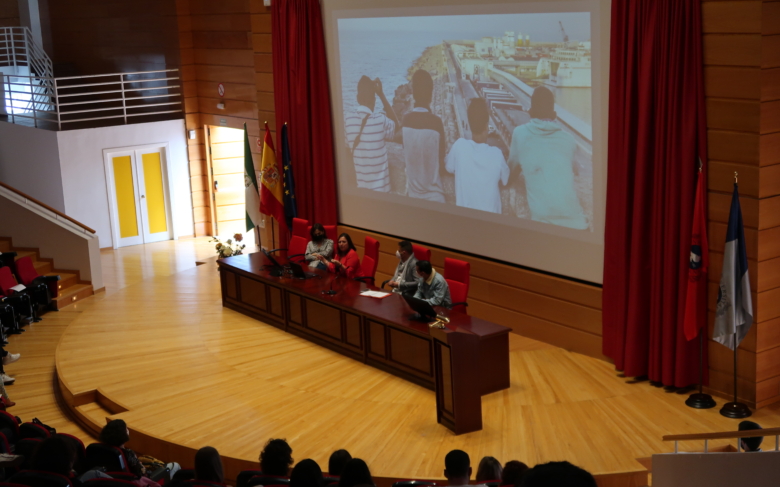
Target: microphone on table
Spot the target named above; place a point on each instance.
(331, 291)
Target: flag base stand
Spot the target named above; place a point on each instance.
(735, 410)
(700, 401)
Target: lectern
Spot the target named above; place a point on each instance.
(457, 367)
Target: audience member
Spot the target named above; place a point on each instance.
(424, 142)
(366, 130)
(276, 458)
(319, 245)
(753, 443)
(557, 474)
(116, 434)
(404, 280)
(513, 473)
(489, 469)
(8, 358)
(432, 286)
(457, 468)
(478, 167)
(338, 460)
(307, 473)
(355, 473)
(208, 465)
(55, 455)
(346, 261)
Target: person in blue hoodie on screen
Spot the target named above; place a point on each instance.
(546, 155)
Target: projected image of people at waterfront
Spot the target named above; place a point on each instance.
(413, 127)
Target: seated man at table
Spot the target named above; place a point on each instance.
(432, 287)
(404, 280)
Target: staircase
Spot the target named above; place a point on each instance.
(71, 287)
(27, 86)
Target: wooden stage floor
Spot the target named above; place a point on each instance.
(159, 351)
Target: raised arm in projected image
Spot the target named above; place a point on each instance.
(434, 66)
(367, 129)
(546, 155)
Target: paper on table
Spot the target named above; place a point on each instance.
(375, 294)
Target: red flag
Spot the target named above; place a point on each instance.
(271, 187)
(696, 299)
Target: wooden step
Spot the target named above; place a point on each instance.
(73, 294)
(26, 253)
(5, 245)
(66, 279)
(42, 267)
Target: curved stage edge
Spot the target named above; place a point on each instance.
(184, 372)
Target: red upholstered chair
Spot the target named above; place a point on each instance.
(457, 274)
(421, 253)
(370, 261)
(20, 302)
(299, 239)
(110, 457)
(28, 275)
(34, 478)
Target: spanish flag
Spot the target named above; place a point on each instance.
(271, 190)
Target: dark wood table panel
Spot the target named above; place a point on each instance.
(467, 359)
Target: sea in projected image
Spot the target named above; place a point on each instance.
(500, 58)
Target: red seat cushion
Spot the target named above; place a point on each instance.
(25, 270)
(7, 281)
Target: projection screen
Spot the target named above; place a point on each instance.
(477, 127)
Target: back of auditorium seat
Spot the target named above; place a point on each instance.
(370, 260)
(268, 481)
(299, 238)
(243, 477)
(9, 427)
(110, 457)
(457, 273)
(421, 253)
(81, 453)
(34, 478)
(414, 483)
(7, 281)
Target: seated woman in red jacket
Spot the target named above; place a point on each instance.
(345, 260)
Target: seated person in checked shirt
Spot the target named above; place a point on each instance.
(433, 287)
(366, 131)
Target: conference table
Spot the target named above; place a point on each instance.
(461, 362)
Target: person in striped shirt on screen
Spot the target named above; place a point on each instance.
(366, 132)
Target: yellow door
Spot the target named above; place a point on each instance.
(126, 197)
(226, 175)
(153, 199)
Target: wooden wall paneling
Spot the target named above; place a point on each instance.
(770, 47)
(770, 18)
(736, 17)
(719, 205)
(768, 335)
(769, 149)
(770, 83)
(724, 145)
(768, 243)
(732, 50)
(770, 116)
(9, 13)
(720, 82)
(739, 115)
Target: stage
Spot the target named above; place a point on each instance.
(184, 372)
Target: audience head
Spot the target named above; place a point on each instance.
(306, 474)
(753, 443)
(405, 250)
(276, 458)
(115, 433)
(489, 469)
(558, 474)
(457, 465)
(355, 473)
(479, 117)
(424, 269)
(318, 233)
(513, 473)
(55, 455)
(422, 88)
(338, 460)
(542, 104)
(366, 92)
(345, 244)
(208, 465)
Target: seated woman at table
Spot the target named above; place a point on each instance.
(346, 261)
(319, 245)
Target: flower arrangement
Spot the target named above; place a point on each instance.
(229, 247)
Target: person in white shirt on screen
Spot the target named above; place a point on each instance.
(547, 157)
(478, 167)
(366, 132)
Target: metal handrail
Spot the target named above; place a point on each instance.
(46, 92)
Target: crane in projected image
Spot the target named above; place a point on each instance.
(563, 32)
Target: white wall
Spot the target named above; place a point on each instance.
(29, 162)
(71, 247)
(84, 178)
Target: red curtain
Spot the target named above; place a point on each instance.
(656, 137)
(302, 100)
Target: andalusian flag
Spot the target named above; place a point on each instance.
(251, 194)
(271, 191)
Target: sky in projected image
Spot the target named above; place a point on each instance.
(532, 167)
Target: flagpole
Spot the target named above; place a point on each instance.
(735, 409)
(700, 400)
